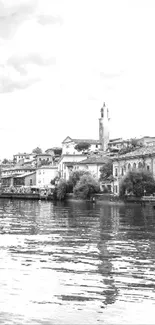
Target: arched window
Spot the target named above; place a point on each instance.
(134, 165)
(140, 165)
(129, 166)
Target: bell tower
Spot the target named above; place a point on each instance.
(104, 128)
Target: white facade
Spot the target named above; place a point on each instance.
(68, 146)
(68, 160)
(45, 174)
(25, 157)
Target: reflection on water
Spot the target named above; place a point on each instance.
(76, 263)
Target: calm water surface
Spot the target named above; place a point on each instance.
(76, 263)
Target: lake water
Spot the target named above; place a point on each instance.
(76, 263)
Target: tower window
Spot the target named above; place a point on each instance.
(116, 172)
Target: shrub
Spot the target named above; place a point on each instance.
(61, 190)
(76, 175)
(136, 182)
(86, 186)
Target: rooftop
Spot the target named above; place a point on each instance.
(143, 151)
(95, 160)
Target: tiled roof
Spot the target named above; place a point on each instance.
(24, 175)
(47, 167)
(143, 151)
(18, 168)
(91, 141)
(95, 160)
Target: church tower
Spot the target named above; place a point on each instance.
(104, 128)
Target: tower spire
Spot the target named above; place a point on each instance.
(104, 127)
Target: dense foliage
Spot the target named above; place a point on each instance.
(60, 190)
(86, 187)
(137, 182)
(106, 171)
(37, 150)
(76, 175)
(82, 146)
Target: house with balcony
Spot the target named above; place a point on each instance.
(43, 159)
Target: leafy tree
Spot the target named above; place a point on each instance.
(61, 190)
(37, 150)
(57, 151)
(106, 170)
(82, 146)
(86, 186)
(5, 161)
(136, 182)
(76, 175)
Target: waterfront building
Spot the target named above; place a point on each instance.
(44, 175)
(143, 157)
(67, 162)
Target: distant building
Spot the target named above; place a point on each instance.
(104, 128)
(141, 158)
(23, 156)
(67, 163)
(43, 159)
(45, 174)
(17, 175)
(68, 145)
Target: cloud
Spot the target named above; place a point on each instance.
(49, 19)
(19, 72)
(13, 13)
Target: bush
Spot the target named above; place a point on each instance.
(86, 186)
(136, 182)
(76, 175)
(60, 190)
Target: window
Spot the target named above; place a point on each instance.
(116, 189)
(96, 145)
(129, 166)
(39, 159)
(139, 165)
(47, 159)
(116, 173)
(148, 167)
(134, 165)
(122, 171)
(30, 181)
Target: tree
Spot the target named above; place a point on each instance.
(57, 151)
(82, 146)
(86, 186)
(76, 175)
(61, 190)
(37, 150)
(5, 161)
(106, 170)
(137, 182)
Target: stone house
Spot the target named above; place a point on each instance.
(143, 157)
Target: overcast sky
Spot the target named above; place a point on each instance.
(61, 59)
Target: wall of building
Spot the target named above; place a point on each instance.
(44, 175)
(62, 168)
(30, 180)
(121, 167)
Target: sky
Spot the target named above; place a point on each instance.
(61, 59)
